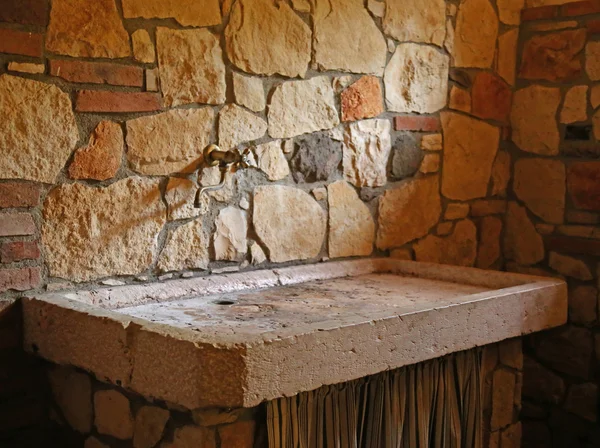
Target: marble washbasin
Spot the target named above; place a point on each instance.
(240, 339)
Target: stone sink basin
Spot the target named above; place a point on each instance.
(240, 339)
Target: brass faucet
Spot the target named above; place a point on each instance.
(227, 161)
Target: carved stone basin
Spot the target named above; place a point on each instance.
(241, 339)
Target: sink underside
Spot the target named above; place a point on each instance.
(240, 339)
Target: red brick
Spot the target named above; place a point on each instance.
(18, 251)
(25, 12)
(539, 13)
(21, 279)
(16, 224)
(102, 101)
(491, 97)
(580, 8)
(593, 26)
(98, 73)
(583, 185)
(20, 42)
(572, 245)
(19, 194)
(417, 123)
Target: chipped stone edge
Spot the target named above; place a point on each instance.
(73, 329)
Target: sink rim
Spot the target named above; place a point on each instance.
(174, 364)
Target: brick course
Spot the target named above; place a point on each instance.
(97, 73)
(104, 101)
(19, 194)
(20, 42)
(16, 224)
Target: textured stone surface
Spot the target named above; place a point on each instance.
(149, 425)
(317, 158)
(592, 60)
(567, 349)
(257, 254)
(460, 99)
(93, 442)
(237, 125)
(582, 400)
(408, 211)
(265, 37)
(507, 55)
(25, 67)
(583, 185)
(503, 388)
(553, 57)
(238, 435)
(231, 228)
(92, 233)
(456, 210)
(430, 164)
(193, 436)
(583, 304)
(501, 173)
(170, 142)
(186, 247)
(113, 414)
(37, 129)
(458, 249)
(299, 107)
(511, 353)
(540, 184)
(143, 48)
(179, 195)
(432, 142)
(351, 225)
(346, 38)
(489, 252)
(416, 79)
(363, 99)
(202, 78)
(101, 158)
(407, 156)
(82, 29)
(575, 105)
(271, 160)
(72, 392)
(367, 146)
(509, 11)
(249, 92)
(415, 21)
(186, 12)
(533, 119)
(476, 32)
(569, 266)
(522, 243)
(281, 218)
(491, 97)
(470, 148)
(540, 383)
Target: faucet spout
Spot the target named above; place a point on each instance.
(227, 161)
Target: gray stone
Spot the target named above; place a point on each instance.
(407, 155)
(317, 158)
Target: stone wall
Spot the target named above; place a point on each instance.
(105, 109)
(556, 187)
(97, 415)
